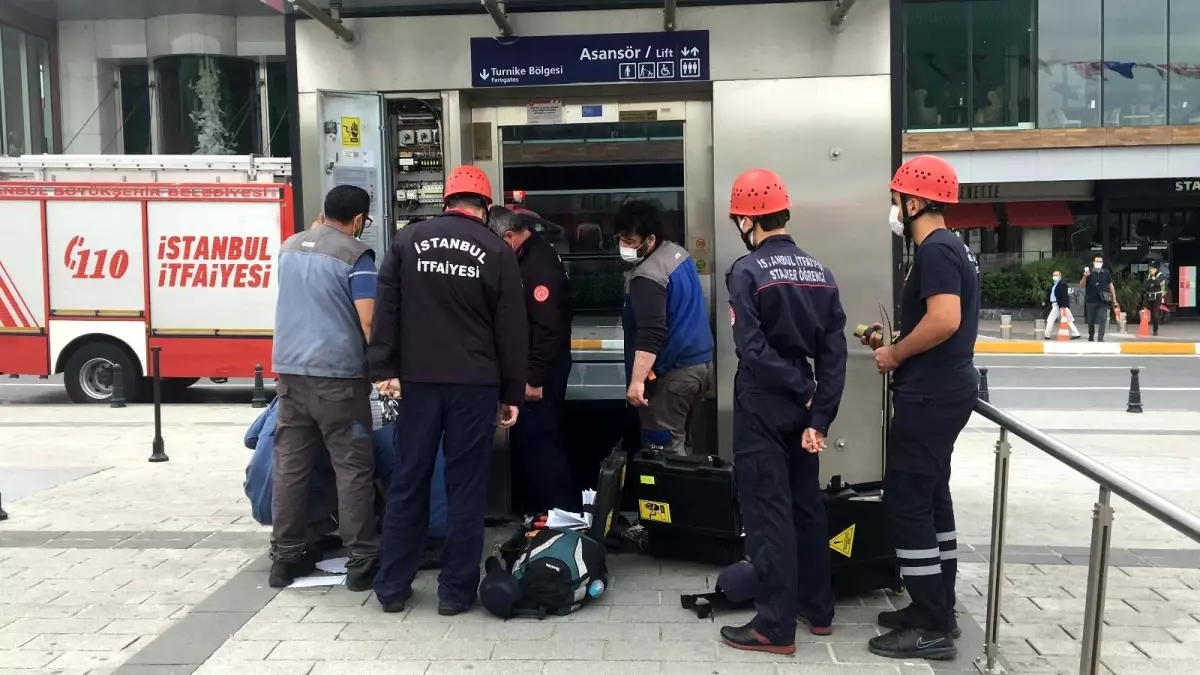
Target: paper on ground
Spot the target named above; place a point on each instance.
(333, 565)
(317, 582)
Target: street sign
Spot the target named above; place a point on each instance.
(678, 56)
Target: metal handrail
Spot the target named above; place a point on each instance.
(1110, 482)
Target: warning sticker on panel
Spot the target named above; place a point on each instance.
(658, 512)
(351, 132)
(844, 542)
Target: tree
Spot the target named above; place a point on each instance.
(212, 138)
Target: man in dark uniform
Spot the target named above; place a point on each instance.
(449, 329)
(785, 310)
(933, 395)
(536, 438)
(1098, 295)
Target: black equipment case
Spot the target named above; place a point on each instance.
(861, 552)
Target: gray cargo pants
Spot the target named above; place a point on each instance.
(334, 413)
(677, 396)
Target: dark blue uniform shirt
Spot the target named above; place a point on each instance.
(785, 311)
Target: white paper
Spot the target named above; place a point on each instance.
(319, 581)
(333, 565)
(566, 520)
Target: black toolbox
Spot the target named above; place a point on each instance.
(688, 506)
(861, 553)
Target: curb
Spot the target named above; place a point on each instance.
(1052, 347)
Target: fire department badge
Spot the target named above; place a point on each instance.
(541, 293)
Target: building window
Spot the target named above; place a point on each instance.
(968, 64)
(208, 104)
(1135, 58)
(1184, 77)
(279, 142)
(135, 110)
(1069, 58)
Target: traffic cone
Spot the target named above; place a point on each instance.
(1064, 327)
(1144, 326)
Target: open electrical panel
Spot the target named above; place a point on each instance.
(418, 168)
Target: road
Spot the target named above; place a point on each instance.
(1017, 382)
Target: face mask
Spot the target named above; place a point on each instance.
(629, 255)
(894, 221)
(746, 235)
(1097, 265)
(1056, 278)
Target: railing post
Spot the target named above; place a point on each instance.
(1097, 584)
(988, 664)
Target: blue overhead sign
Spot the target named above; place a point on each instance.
(679, 56)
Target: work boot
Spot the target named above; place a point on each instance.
(361, 577)
(821, 631)
(914, 643)
(284, 573)
(903, 618)
(393, 607)
(748, 639)
(447, 608)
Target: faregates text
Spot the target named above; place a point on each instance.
(442, 267)
(211, 261)
(797, 268)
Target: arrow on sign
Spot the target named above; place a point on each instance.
(483, 74)
(691, 51)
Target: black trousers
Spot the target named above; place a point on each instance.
(1096, 314)
(463, 418)
(538, 446)
(787, 533)
(1155, 307)
(917, 499)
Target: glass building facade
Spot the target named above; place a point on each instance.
(1053, 64)
(26, 123)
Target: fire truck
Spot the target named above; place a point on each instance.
(106, 257)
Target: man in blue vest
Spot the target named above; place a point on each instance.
(667, 337)
(322, 319)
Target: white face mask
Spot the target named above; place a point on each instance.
(894, 221)
(629, 255)
(1056, 278)
(1097, 265)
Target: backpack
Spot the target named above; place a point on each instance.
(555, 570)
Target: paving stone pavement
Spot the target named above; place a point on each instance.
(150, 569)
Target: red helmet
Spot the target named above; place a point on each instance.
(758, 192)
(927, 177)
(468, 180)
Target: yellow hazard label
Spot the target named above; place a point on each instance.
(844, 542)
(351, 132)
(658, 512)
(647, 480)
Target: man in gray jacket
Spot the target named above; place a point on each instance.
(323, 317)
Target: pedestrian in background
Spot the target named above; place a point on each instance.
(323, 318)
(1060, 307)
(1099, 296)
(666, 328)
(450, 329)
(1154, 290)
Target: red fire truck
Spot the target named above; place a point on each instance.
(104, 257)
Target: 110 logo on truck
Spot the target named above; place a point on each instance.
(80, 261)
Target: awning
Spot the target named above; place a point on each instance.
(1038, 214)
(970, 216)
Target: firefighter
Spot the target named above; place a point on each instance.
(785, 310)
(536, 438)
(668, 340)
(322, 319)
(933, 393)
(449, 328)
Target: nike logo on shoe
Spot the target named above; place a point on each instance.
(922, 644)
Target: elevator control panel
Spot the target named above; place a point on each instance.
(418, 168)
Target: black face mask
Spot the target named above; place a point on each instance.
(746, 236)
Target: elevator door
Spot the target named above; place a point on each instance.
(576, 168)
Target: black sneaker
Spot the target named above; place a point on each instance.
(447, 608)
(393, 607)
(284, 573)
(902, 618)
(748, 639)
(361, 578)
(914, 643)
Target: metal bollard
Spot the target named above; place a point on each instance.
(983, 394)
(1039, 328)
(1135, 391)
(118, 393)
(3, 513)
(260, 393)
(1006, 326)
(157, 454)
